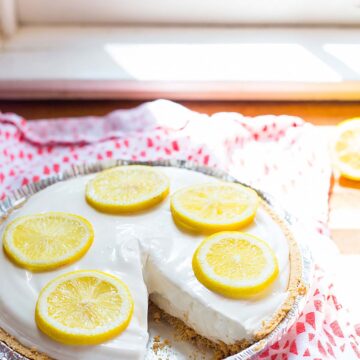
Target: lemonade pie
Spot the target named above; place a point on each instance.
(211, 255)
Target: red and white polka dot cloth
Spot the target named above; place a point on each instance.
(279, 154)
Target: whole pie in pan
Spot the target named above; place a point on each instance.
(210, 257)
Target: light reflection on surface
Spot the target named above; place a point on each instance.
(225, 62)
(349, 54)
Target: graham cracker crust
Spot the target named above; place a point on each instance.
(14, 344)
(295, 284)
(186, 333)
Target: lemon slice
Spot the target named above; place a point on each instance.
(347, 148)
(48, 240)
(127, 189)
(235, 264)
(84, 307)
(214, 207)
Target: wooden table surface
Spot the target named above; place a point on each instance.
(345, 194)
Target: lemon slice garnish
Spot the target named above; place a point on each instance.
(347, 148)
(127, 188)
(48, 240)
(214, 207)
(235, 264)
(84, 307)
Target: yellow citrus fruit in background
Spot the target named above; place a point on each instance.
(347, 148)
(127, 189)
(235, 264)
(214, 206)
(48, 240)
(84, 307)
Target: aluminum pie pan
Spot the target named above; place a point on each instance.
(19, 197)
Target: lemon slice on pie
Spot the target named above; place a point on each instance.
(347, 148)
(47, 240)
(235, 264)
(127, 189)
(84, 307)
(214, 207)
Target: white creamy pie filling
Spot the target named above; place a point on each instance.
(144, 246)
